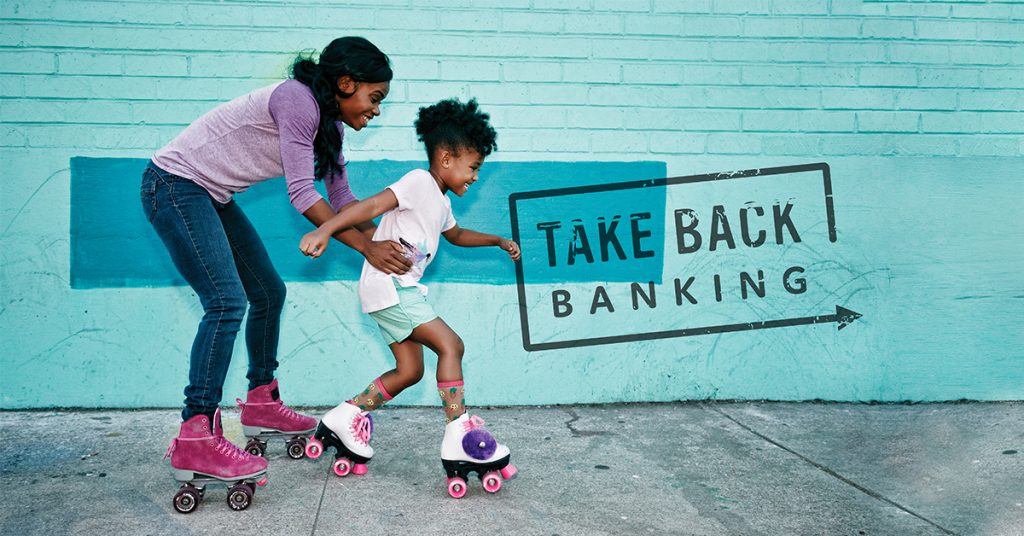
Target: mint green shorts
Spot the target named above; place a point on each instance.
(397, 322)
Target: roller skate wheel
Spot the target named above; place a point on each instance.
(187, 499)
(314, 448)
(492, 482)
(359, 469)
(255, 447)
(239, 496)
(297, 448)
(508, 471)
(456, 487)
(342, 467)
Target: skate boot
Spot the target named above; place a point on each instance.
(468, 448)
(199, 458)
(348, 430)
(265, 417)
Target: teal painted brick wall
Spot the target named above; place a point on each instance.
(918, 107)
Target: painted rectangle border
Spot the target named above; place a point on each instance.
(514, 198)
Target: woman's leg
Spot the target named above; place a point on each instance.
(264, 289)
(185, 217)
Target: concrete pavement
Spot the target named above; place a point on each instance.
(711, 468)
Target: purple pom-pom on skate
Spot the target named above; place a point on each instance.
(479, 444)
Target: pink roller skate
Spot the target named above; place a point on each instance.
(265, 417)
(348, 430)
(468, 448)
(200, 457)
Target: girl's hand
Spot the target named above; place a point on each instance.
(314, 243)
(388, 257)
(511, 247)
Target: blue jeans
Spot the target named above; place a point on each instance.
(217, 251)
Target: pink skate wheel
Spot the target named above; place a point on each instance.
(359, 469)
(508, 471)
(342, 467)
(492, 482)
(456, 487)
(314, 448)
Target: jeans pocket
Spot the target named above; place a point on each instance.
(147, 193)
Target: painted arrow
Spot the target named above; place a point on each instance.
(843, 317)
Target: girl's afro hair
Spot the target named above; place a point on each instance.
(456, 125)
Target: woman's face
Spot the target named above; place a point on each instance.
(364, 104)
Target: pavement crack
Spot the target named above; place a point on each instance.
(581, 433)
(316, 518)
(831, 472)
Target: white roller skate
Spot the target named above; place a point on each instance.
(468, 448)
(348, 429)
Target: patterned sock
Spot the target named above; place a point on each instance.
(453, 398)
(373, 397)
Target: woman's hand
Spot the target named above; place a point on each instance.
(511, 247)
(388, 257)
(314, 243)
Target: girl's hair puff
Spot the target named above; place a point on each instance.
(455, 125)
(352, 56)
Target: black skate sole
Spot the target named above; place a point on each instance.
(462, 469)
(329, 439)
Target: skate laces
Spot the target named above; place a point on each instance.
(229, 449)
(362, 428)
(288, 413)
(170, 448)
(471, 423)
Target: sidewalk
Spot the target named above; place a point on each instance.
(694, 468)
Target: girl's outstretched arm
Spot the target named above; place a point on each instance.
(469, 238)
(386, 256)
(315, 242)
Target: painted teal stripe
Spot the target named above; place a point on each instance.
(112, 245)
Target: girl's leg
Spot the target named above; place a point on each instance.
(449, 348)
(185, 217)
(407, 372)
(265, 291)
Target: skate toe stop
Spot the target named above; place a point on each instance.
(508, 471)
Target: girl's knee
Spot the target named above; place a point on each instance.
(410, 374)
(455, 347)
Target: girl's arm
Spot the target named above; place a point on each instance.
(386, 256)
(469, 238)
(315, 242)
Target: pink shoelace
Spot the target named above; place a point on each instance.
(223, 446)
(229, 449)
(288, 413)
(361, 428)
(472, 422)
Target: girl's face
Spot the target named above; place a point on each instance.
(457, 173)
(359, 109)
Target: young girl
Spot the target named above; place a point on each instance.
(416, 213)
(292, 128)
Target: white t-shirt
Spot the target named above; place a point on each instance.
(423, 213)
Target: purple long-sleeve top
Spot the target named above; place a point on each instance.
(261, 135)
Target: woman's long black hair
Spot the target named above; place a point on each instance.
(352, 56)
